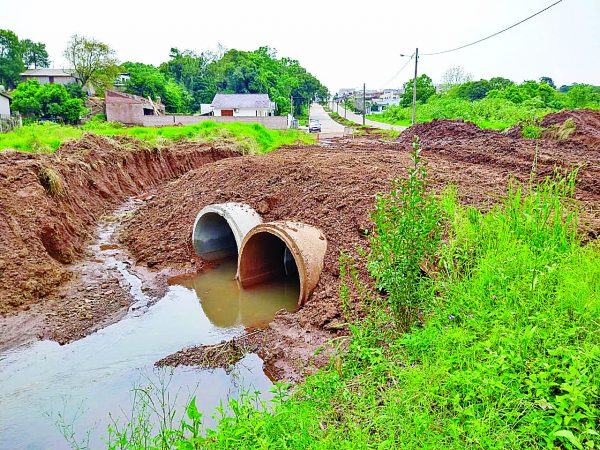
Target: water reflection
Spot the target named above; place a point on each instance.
(227, 305)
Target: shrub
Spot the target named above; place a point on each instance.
(406, 235)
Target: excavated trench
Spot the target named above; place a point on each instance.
(197, 309)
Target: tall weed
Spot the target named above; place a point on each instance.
(406, 236)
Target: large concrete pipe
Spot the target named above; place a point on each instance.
(220, 228)
(283, 249)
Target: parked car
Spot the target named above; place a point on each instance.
(314, 126)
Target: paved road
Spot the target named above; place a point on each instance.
(329, 127)
(358, 119)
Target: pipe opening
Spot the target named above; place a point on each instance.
(267, 258)
(214, 238)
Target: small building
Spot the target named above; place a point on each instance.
(52, 76)
(121, 81)
(130, 109)
(4, 105)
(243, 105)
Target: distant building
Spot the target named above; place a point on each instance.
(345, 92)
(130, 109)
(52, 76)
(4, 105)
(243, 105)
(121, 81)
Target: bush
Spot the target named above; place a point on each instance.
(496, 104)
(48, 101)
(406, 235)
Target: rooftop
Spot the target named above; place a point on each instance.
(48, 73)
(222, 101)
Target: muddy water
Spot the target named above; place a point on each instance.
(226, 305)
(80, 383)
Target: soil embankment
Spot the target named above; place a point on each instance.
(49, 204)
(333, 188)
(46, 225)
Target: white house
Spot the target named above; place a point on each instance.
(52, 76)
(4, 105)
(243, 105)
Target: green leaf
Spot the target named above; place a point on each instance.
(569, 436)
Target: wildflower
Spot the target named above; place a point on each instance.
(413, 365)
(451, 317)
(494, 297)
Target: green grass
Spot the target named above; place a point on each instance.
(250, 138)
(492, 113)
(505, 355)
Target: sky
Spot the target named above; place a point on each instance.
(344, 43)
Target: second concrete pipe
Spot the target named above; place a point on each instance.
(278, 249)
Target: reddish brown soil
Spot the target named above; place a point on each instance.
(41, 234)
(333, 188)
(587, 125)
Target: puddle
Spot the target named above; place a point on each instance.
(86, 380)
(227, 305)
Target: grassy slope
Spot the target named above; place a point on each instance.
(253, 138)
(507, 357)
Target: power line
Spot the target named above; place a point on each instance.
(495, 34)
(400, 71)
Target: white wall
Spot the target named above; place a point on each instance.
(4, 106)
(46, 79)
(247, 112)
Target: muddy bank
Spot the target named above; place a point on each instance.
(333, 188)
(49, 204)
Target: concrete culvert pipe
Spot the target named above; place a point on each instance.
(283, 249)
(220, 228)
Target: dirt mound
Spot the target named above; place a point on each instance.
(440, 130)
(49, 203)
(333, 188)
(586, 126)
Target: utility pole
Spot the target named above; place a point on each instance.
(292, 105)
(364, 102)
(414, 102)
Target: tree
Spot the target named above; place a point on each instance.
(11, 62)
(473, 90)
(548, 81)
(25, 100)
(93, 61)
(500, 83)
(583, 96)
(454, 76)
(49, 101)
(148, 81)
(425, 89)
(34, 54)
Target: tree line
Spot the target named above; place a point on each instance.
(183, 82)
